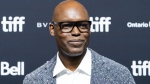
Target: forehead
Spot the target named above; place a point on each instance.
(70, 12)
(71, 15)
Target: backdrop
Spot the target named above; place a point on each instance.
(120, 31)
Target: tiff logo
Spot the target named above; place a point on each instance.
(101, 24)
(14, 70)
(12, 24)
(141, 68)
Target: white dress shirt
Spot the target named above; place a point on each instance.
(81, 75)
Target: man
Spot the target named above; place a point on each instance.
(74, 62)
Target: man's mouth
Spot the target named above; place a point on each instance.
(76, 43)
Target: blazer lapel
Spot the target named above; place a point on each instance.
(49, 72)
(94, 77)
(93, 71)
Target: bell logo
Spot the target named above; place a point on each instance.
(14, 70)
(13, 24)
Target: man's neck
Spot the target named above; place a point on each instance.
(71, 63)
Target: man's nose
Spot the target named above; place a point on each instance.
(75, 31)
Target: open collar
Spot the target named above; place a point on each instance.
(84, 66)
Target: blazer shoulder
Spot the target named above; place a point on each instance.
(102, 60)
(36, 76)
(111, 70)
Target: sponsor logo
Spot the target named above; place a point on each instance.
(43, 24)
(13, 70)
(99, 24)
(141, 68)
(12, 24)
(138, 25)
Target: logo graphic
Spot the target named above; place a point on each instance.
(14, 70)
(42, 24)
(141, 68)
(138, 25)
(12, 24)
(100, 24)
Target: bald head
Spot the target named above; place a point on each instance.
(69, 11)
(74, 42)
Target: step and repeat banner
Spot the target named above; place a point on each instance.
(120, 31)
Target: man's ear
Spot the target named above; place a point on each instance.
(51, 29)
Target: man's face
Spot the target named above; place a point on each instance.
(75, 42)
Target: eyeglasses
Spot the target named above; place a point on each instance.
(67, 27)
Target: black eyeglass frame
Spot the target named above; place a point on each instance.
(75, 23)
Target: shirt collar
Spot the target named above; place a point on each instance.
(86, 62)
(59, 67)
(84, 66)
